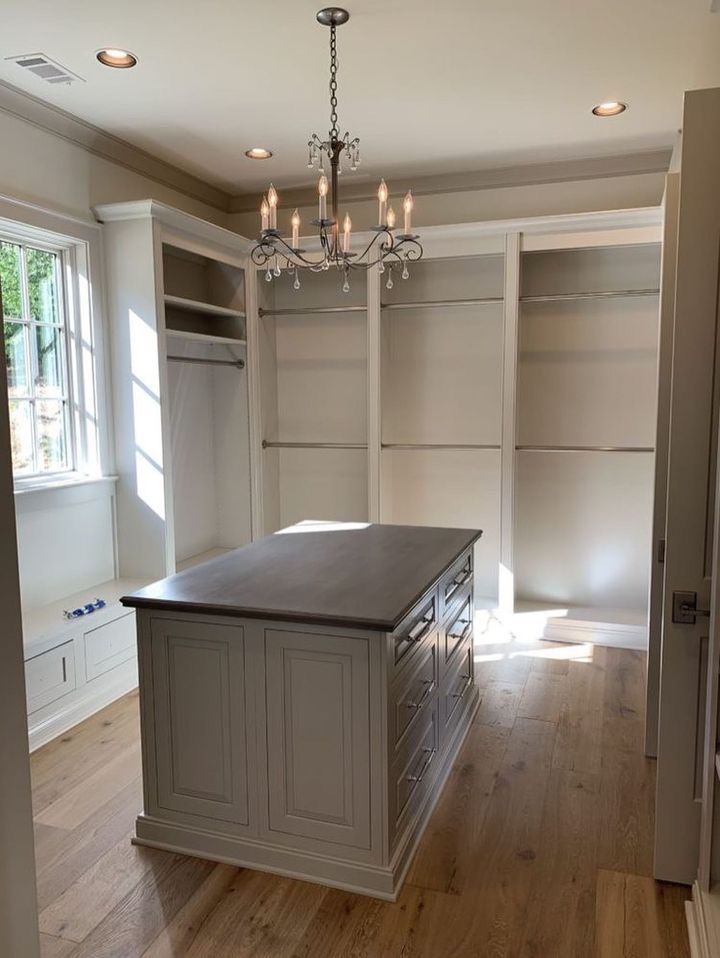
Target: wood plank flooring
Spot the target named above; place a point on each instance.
(540, 846)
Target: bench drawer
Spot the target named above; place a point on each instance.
(49, 676)
(109, 645)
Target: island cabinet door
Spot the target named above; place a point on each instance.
(199, 710)
(318, 735)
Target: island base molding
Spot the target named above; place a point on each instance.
(362, 879)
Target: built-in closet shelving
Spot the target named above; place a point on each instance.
(586, 414)
(441, 400)
(178, 314)
(313, 372)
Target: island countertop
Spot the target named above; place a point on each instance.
(353, 574)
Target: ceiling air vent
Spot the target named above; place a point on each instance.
(48, 70)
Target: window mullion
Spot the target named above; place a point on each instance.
(31, 355)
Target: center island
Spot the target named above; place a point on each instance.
(303, 699)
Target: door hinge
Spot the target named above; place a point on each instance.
(685, 610)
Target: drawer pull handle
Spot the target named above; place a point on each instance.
(421, 628)
(429, 689)
(430, 752)
(468, 683)
(461, 636)
(460, 579)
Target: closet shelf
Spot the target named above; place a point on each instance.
(528, 448)
(438, 445)
(311, 310)
(195, 306)
(607, 294)
(443, 303)
(267, 444)
(206, 338)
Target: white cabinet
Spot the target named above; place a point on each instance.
(199, 706)
(109, 645)
(318, 736)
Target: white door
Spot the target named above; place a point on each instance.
(690, 494)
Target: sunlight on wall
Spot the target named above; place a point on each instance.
(147, 424)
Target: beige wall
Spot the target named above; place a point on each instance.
(468, 206)
(43, 168)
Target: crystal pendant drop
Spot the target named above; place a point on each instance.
(346, 285)
(406, 271)
(296, 284)
(276, 271)
(268, 275)
(389, 284)
(381, 267)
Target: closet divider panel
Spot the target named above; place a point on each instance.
(587, 379)
(316, 424)
(441, 363)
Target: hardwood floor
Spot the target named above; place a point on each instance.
(540, 846)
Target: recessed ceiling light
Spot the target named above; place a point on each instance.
(609, 108)
(258, 153)
(114, 57)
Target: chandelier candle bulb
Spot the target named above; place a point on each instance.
(323, 191)
(382, 202)
(347, 226)
(407, 208)
(273, 202)
(295, 221)
(264, 214)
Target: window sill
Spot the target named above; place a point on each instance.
(61, 490)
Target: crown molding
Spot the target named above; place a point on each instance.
(52, 119)
(562, 171)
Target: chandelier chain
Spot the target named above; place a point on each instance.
(334, 130)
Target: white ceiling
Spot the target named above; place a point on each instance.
(428, 86)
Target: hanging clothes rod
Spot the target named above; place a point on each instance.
(312, 310)
(431, 304)
(237, 363)
(437, 445)
(266, 444)
(608, 294)
(585, 448)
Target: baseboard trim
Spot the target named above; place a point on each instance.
(702, 914)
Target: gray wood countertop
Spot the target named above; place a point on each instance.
(342, 574)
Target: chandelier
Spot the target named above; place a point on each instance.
(387, 247)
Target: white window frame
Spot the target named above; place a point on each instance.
(79, 245)
(31, 359)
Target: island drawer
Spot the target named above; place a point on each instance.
(412, 694)
(419, 626)
(452, 583)
(454, 690)
(458, 630)
(413, 771)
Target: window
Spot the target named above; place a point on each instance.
(37, 368)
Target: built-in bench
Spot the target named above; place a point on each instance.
(73, 667)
